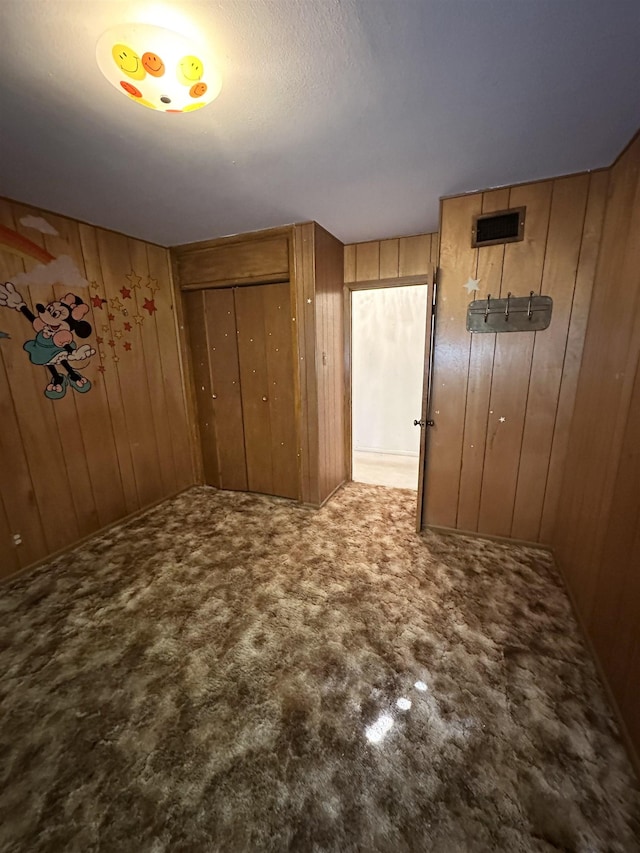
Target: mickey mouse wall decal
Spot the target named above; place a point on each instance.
(54, 345)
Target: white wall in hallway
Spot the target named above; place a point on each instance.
(388, 328)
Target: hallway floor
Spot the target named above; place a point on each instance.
(232, 672)
(385, 469)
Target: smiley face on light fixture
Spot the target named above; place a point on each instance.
(190, 70)
(171, 73)
(128, 61)
(153, 64)
(198, 90)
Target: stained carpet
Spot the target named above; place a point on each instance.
(233, 672)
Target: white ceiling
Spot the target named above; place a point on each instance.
(357, 113)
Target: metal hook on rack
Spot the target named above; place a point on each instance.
(486, 310)
(506, 308)
(529, 312)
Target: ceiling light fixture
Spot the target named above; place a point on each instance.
(158, 68)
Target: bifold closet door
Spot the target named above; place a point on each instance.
(214, 356)
(265, 354)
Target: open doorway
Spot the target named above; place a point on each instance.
(387, 372)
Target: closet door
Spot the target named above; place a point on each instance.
(263, 316)
(199, 346)
(225, 388)
(214, 357)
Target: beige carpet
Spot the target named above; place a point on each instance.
(385, 469)
(239, 673)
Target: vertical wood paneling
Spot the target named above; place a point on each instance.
(131, 372)
(93, 429)
(66, 465)
(201, 369)
(389, 258)
(304, 288)
(575, 343)
(596, 535)
(266, 374)
(566, 225)
(38, 426)
(175, 392)
(276, 309)
(512, 393)
(458, 262)
(350, 262)
(329, 359)
(107, 384)
(8, 555)
(489, 274)
(77, 445)
(151, 347)
(253, 386)
(603, 387)
(522, 272)
(17, 482)
(614, 621)
(367, 261)
(414, 255)
(631, 697)
(224, 406)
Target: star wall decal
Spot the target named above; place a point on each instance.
(125, 292)
(105, 328)
(102, 368)
(472, 284)
(127, 327)
(133, 279)
(152, 284)
(127, 346)
(139, 320)
(97, 301)
(111, 318)
(116, 304)
(150, 306)
(117, 334)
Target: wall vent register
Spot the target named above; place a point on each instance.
(504, 226)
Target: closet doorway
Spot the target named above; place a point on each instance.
(242, 359)
(390, 335)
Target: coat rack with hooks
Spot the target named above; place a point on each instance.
(530, 313)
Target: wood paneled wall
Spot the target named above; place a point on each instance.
(329, 318)
(397, 257)
(596, 536)
(317, 265)
(71, 466)
(502, 404)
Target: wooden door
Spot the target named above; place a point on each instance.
(265, 352)
(426, 394)
(214, 358)
(225, 388)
